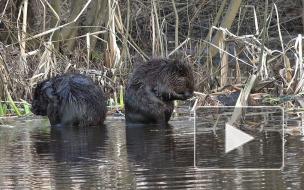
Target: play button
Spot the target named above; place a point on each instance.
(253, 141)
(235, 138)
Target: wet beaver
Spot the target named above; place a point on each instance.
(70, 99)
(153, 87)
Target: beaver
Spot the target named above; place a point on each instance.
(152, 88)
(70, 100)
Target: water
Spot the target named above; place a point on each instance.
(35, 156)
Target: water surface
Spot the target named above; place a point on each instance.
(36, 156)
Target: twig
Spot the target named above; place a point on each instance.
(172, 52)
(61, 26)
(253, 66)
(3, 12)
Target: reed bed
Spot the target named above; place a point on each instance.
(253, 53)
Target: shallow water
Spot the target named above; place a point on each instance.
(36, 156)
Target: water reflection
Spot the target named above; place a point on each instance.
(264, 151)
(63, 158)
(35, 156)
(158, 147)
(71, 144)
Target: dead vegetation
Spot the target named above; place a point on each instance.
(233, 45)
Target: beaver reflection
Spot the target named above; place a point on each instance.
(72, 143)
(156, 147)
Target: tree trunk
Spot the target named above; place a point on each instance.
(303, 14)
(226, 23)
(57, 8)
(72, 30)
(96, 17)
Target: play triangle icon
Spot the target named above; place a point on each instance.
(235, 138)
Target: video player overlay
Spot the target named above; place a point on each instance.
(243, 138)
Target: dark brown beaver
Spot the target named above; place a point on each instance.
(70, 99)
(153, 86)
